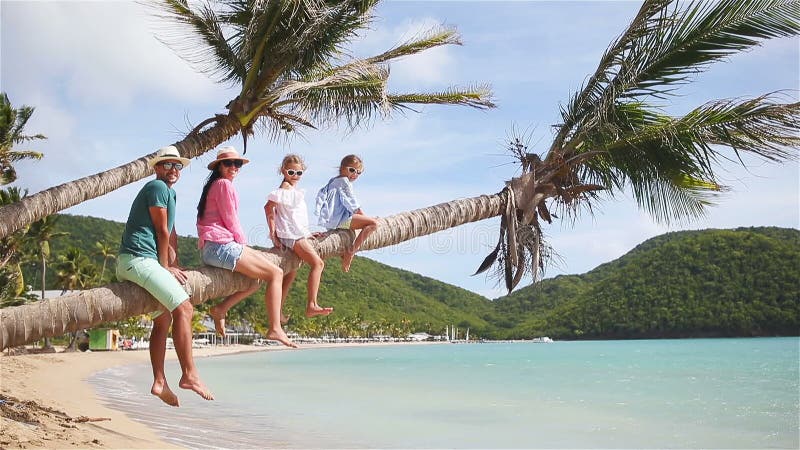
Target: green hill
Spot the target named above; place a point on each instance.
(742, 282)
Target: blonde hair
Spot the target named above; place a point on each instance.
(351, 161)
(291, 158)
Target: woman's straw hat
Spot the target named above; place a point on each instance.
(226, 153)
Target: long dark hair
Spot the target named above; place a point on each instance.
(212, 177)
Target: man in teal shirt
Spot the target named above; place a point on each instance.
(148, 256)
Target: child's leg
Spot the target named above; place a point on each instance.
(219, 311)
(288, 279)
(367, 225)
(306, 252)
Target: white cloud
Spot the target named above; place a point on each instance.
(100, 53)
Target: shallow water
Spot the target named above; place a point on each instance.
(691, 393)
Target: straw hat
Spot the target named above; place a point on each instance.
(169, 152)
(226, 153)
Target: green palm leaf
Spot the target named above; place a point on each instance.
(670, 162)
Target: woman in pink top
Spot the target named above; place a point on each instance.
(223, 243)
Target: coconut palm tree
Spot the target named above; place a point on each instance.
(289, 63)
(40, 234)
(611, 139)
(12, 124)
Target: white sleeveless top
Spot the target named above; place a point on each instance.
(291, 213)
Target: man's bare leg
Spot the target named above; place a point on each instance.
(182, 336)
(158, 350)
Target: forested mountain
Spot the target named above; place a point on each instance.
(743, 282)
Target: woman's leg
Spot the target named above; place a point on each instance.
(306, 252)
(219, 310)
(255, 265)
(367, 225)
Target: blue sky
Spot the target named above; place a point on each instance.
(106, 92)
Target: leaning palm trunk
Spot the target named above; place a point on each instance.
(50, 201)
(116, 301)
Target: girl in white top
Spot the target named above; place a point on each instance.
(287, 217)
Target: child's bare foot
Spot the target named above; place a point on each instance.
(196, 385)
(219, 320)
(285, 319)
(316, 310)
(280, 336)
(347, 258)
(161, 390)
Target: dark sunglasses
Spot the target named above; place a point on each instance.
(354, 170)
(170, 165)
(232, 163)
(292, 172)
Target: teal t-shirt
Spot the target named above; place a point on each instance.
(139, 238)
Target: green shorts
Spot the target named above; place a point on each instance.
(153, 277)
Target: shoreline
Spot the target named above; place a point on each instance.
(49, 402)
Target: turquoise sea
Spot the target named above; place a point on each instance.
(688, 393)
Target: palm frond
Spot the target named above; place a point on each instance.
(429, 39)
(353, 93)
(646, 22)
(479, 97)
(661, 51)
(674, 200)
(198, 37)
(19, 155)
(701, 35)
(669, 162)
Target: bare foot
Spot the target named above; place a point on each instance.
(219, 321)
(347, 258)
(161, 390)
(280, 336)
(316, 310)
(285, 319)
(196, 385)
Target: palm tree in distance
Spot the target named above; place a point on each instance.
(611, 139)
(40, 235)
(12, 124)
(289, 63)
(105, 250)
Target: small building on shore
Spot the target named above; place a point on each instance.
(103, 339)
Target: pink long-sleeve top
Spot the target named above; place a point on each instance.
(220, 221)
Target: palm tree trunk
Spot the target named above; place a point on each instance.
(47, 344)
(55, 199)
(23, 324)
